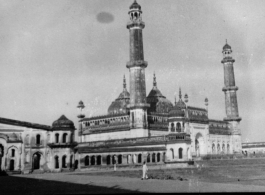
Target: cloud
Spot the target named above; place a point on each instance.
(105, 17)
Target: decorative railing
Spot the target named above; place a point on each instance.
(220, 131)
(133, 141)
(69, 144)
(162, 126)
(105, 127)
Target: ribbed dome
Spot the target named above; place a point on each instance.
(135, 5)
(158, 102)
(119, 106)
(176, 112)
(180, 104)
(178, 109)
(63, 123)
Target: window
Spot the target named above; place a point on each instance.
(158, 157)
(172, 127)
(153, 157)
(38, 139)
(64, 137)
(57, 138)
(13, 152)
(180, 153)
(86, 160)
(139, 158)
(56, 164)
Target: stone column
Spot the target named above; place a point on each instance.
(124, 159)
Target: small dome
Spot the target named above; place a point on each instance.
(119, 106)
(226, 46)
(180, 104)
(135, 5)
(176, 112)
(158, 102)
(63, 123)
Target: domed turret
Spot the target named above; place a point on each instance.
(158, 102)
(135, 6)
(63, 123)
(119, 106)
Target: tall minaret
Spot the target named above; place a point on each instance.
(232, 115)
(136, 65)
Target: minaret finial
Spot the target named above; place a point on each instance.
(175, 100)
(124, 82)
(180, 96)
(154, 83)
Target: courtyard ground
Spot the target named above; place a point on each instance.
(244, 175)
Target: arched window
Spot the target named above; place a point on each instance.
(93, 160)
(13, 153)
(64, 164)
(114, 159)
(153, 157)
(218, 148)
(38, 139)
(223, 148)
(180, 153)
(158, 157)
(178, 127)
(139, 158)
(213, 148)
(108, 160)
(148, 158)
(172, 153)
(64, 137)
(99, 160)
(56, 162)
(228, 149)
(172, 127)
(87, 161)
(57, 138)
(120, 159)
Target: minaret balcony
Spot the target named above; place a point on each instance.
(135, 24)
(138, 63)
(230, 88)
(235, 118)
(228, 59)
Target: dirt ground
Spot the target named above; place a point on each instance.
(245, 175)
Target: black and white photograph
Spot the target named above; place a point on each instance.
(132, 96)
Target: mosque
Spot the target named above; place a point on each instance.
(136, 128)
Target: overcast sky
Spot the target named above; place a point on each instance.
(55, 53)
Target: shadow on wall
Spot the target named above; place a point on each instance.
(19, 185)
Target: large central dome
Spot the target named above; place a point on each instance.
(158, 102)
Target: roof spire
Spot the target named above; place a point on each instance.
(154, 83)
(226, 41)
(124, 82)
(180, 96)
(175, 100)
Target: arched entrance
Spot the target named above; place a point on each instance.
(198, 144)
(56, 162)
(64, 164)
(36, 161)
(12, 165)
